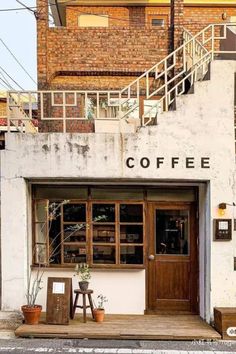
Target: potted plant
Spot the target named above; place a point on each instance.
(32, 311)
(99, 311)
(83, 272)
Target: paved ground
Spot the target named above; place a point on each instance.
(20, 346)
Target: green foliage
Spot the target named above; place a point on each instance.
(101, 300)
(83, 271)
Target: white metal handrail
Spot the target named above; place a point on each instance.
(195, 55)
(158, 87)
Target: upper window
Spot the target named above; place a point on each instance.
(158, 22)
(89, 20)
(98, 233)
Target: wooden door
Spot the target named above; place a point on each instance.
(172, 258)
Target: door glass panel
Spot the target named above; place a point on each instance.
(172, 232)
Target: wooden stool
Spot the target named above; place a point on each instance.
(84, 307)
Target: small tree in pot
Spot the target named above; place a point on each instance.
(83, 272)
(99, 310)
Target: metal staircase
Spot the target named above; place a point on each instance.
(139, 103)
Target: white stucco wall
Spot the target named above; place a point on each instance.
(202, 126)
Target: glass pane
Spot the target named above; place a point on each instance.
(131, 233)
(55, 241)
(131, 255)
(104, 233)
(158, 22)
(40, 232)
(41, 211)
(74, 212)
(131, 213)
(172, 232)
(41, 253)
(75, 254)
(75, 232)
(104, 212)
(104, 255)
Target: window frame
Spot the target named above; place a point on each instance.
(152, 17)
(89, 234)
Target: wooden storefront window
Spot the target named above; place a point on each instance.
(101, 233)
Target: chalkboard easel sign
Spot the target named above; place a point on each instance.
(59, 300)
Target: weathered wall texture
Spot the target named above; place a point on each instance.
(202, 126)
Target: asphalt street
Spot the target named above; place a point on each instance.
(20, 346)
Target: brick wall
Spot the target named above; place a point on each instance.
(91, 82)
(196, 18)
(104, 50)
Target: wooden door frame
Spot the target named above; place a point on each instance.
(194, 254)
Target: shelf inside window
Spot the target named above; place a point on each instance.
(103, 254)
(104, 233)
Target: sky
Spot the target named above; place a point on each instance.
(18, 31)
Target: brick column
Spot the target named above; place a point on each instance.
(177, 19)
(42, 27)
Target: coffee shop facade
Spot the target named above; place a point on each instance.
(105, 181)
(145, 203)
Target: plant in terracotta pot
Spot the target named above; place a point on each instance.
(99, 310)
(32, 311)
(83, 272)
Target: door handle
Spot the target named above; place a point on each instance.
(151, 257)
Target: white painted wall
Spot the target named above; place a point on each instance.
(124, 290)
(202, 126)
